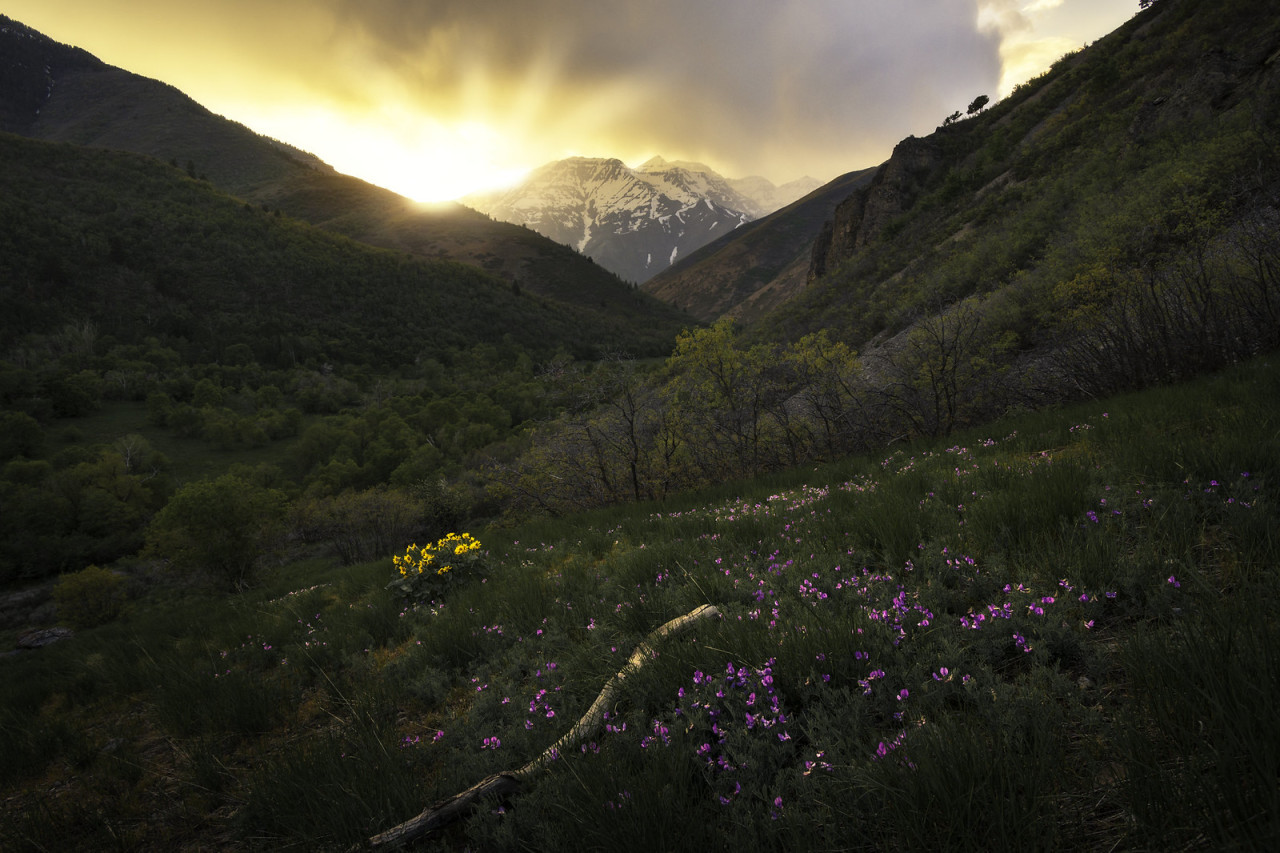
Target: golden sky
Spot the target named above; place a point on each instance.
(438, 98)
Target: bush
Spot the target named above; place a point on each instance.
(92, 596)
(426, 571)
(223, 526)
(20, 436)
(361, 526)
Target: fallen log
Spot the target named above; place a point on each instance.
(501, 784)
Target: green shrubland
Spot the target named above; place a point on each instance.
(1054, 631)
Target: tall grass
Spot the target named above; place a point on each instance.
(1056, 633)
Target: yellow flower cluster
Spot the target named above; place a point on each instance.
(417, 560)
(461, 543)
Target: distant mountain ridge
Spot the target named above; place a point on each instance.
(637, 221)
(57, 93)
(757, 195)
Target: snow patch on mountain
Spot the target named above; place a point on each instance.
(624, 217)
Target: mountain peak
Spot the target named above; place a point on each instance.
(661, 164)
(636, 221)
(632, 221)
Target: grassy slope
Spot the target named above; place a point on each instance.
(1056, 633)
(1079, 168)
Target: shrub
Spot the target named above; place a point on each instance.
(361, 526)
(426, 571)
(20, 436)
(223, 526)
(92, 596)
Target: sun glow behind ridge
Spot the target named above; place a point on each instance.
(435, 101)
(485, 134)
(408, 152)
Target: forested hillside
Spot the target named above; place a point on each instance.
(138, 248)
(141, 308)
(1153, 146)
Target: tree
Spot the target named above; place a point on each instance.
(360, 526)
(946, 369)
(978, 105)
(727, 401)
(627, 416)
(223, 526)
(20, 435)
(75, 395)
(829, 393)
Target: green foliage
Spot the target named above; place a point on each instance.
(443, 505)
(949, 369)
(88, 503)
(1123, 156)
(1206, 691)
(1114, 692)
(223, 526)
(222, 281)
(76, 394)
(90, 597)
(360, 526)
(20, 436)
(426, 572)
(726, 407)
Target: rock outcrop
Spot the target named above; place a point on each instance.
(862, 217)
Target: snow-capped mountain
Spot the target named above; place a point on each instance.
(769, 197)
(634, 222)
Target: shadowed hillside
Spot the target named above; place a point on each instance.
(757, 266)
(138, 248)
(58, 93)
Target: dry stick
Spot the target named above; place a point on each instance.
(509, 782)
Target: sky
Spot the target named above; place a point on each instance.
(438, 98)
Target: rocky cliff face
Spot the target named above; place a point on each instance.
(862, 217)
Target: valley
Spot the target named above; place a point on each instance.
(341, 504)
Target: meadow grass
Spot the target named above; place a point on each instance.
(1054, 632)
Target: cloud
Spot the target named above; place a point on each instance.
(754, 85)
(1033, 34)
(1041, 6)
(773, 87)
